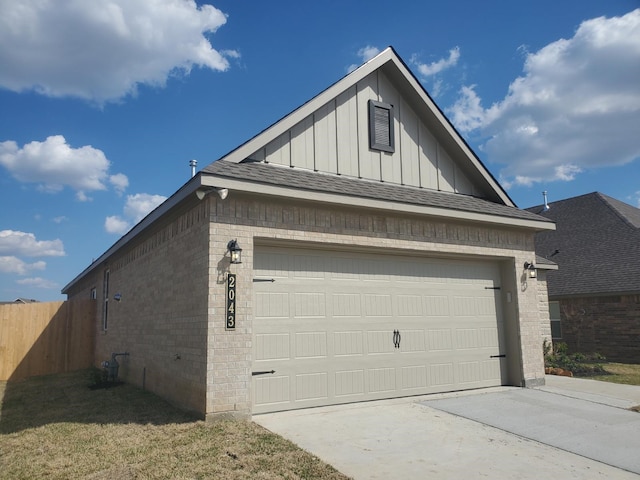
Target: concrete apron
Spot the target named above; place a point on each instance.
(411, 439)
(597, 431)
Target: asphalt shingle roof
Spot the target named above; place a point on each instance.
(263, 173)
(598, 238)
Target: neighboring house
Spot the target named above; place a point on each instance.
(595, 294)
(380, 259)
(20, 300)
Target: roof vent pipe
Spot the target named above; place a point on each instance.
(193, 164)
(546, 205)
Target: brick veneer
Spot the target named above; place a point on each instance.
(253, 220)
(172, 281)
(606, 325)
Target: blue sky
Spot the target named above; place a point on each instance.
(103, 103)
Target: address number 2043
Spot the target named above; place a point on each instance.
(231, 301)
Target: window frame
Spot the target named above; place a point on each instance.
(105, 306)
(376, 106)
(555, 319)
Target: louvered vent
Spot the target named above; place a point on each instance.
(381, 126)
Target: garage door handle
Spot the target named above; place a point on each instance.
(263, 372)
(498, 356)
(396, 338)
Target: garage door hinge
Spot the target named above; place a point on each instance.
(255, 280)
(492, 288)
(263, 372)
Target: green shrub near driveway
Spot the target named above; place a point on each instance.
(579, 364)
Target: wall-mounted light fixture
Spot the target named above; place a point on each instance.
(117, 297)
(530, 268)
(204, 191)
(235, 252)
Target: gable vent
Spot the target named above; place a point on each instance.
(381, 135)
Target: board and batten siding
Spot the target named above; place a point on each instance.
(335, 139)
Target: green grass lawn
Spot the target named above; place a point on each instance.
(628, 374)
(56, 427)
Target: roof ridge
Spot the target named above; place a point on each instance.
(621, 209)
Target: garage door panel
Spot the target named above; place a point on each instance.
(414, 376)
(348, 343)
(273, 304)
(381, 380)
(275, 390)
(439, 339)
(331, 332)
(441, 374)
(311, 344)
(272, 346)
(346, 305)
(309, 304)
(380, 342)
(312, 386)
(349, 383)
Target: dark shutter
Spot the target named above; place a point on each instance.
(381, 126)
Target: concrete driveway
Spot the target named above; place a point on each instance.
(567, 429)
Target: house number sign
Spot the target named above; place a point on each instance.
(231, 301)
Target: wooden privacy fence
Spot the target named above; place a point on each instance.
(46, 338)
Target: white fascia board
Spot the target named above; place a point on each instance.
(336, 199)
(302, 112)
(546, 266)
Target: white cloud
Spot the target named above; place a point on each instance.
(54, 164)
(116, 225)
(467, 113)
(38, 282)
(11, 264)
(60, 219)
(136, 208)
(119, 181)
(140, 204)
(433, 68)
(365, 54)
(25, 244)
(101, 50)
(577, 106)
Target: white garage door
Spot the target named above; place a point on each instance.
(336, 327)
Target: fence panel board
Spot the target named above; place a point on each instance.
(46, 338)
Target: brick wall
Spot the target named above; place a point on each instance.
(253, 220)
(606, 325)
(161, 320)
(172, 278)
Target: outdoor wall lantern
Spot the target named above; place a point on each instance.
(235, 252)
(530, 269)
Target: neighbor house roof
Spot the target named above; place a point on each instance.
(596, 245)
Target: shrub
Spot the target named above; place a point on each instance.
(558, 356)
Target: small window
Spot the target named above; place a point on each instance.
(105, 306)
(554, 315)
(381, 135)
(94, 294)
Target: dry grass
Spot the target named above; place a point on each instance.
(626, 373)
(56, 427)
